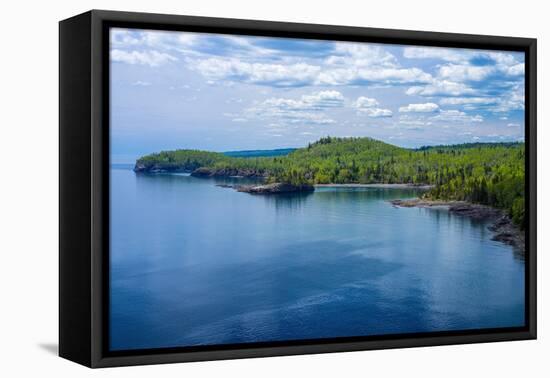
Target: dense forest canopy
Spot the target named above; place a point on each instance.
(486, 173)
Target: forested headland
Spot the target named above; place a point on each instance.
(487, 173)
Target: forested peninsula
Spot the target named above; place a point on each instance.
(491, 174)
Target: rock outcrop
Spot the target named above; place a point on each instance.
(275, 188)
(160, 168)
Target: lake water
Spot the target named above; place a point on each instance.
(194, 264)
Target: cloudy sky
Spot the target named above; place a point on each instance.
(222, 92)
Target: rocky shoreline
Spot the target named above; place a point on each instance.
(228, 172)
(274, 188)
(504, 229)
(377, 186)
(156, 168)
(201, 172)
(289, 188)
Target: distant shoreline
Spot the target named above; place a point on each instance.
(378, 186)
(287, 188)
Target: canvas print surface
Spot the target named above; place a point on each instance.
(270, 189)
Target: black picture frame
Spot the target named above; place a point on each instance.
(84, 186)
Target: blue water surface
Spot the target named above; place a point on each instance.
(192, 263)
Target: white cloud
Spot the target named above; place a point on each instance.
(505, 70)
(256, 73)
(157, 40)
(451, 55)
(141, 83)
(350, 64)
(416, 123)
(244, 47)
(358, 63)
(508, 64)
(365, 102)
(456, 116)
(309, 118)
(355, 75)
(428, 107)
(315, 101)
(308, 109)
(468, 101)
(516, 69)
(301, 74)
(514, 99)
(464, 56)
(502, 74)
(123, 37)
(513, 125)
(376, 112)
(361, 55)
(439, 120)
(472, 103)
(151, 58)
(441, 88)
(368, 106)
(457, 72)
(188, 39)
(476, 84)
(324, 99)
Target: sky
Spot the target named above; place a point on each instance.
(218, 92)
